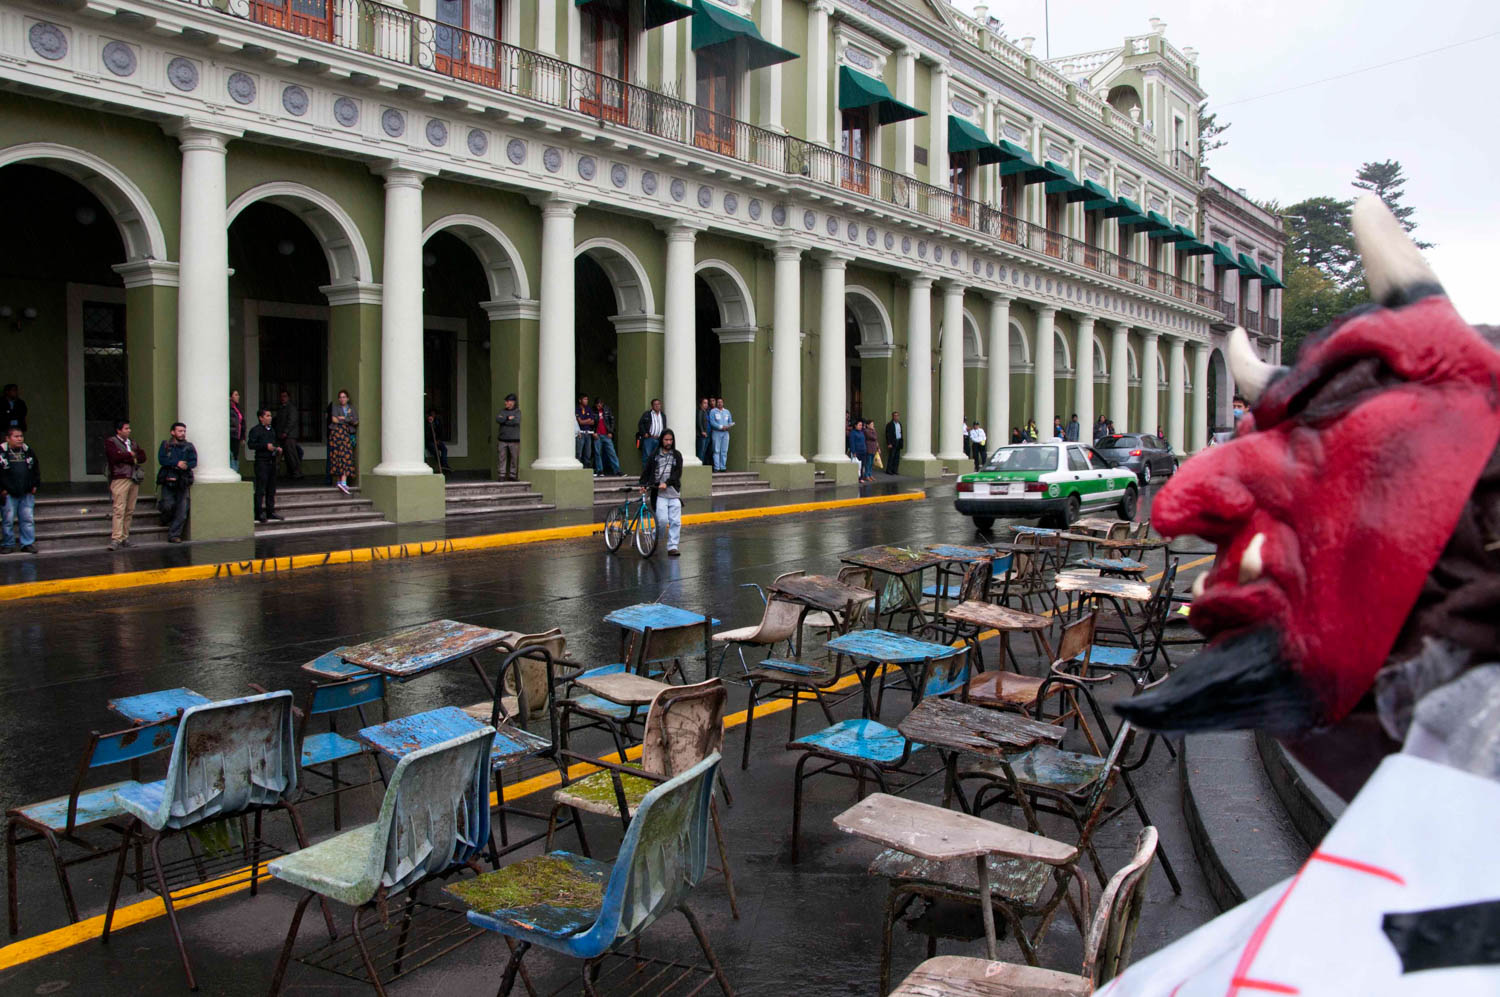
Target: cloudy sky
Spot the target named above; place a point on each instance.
(1434, 113)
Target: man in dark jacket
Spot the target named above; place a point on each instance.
(262, 443)
(12, 410)
(606, 457)
(174, 479)
(124, 458)
(508, 437)
(704, 441)
(583, 439)
(20, 476)
(286, 424)
(648, 430)
(895, 441)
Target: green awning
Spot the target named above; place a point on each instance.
(1157, 226)
(1066, 184)
(1271, 279)
(1102, 201)
(1185, 232)
(655, 13)
(1048, 173)
(1134, 213)
(859, 90)
(1192, 247)
(965, 136)
(1224, 256)
(713, 25)
(1248, 268)
(1017, 159)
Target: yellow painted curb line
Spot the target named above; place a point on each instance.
(392, 552)
(38, 946)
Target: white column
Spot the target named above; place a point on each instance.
(1043, 365)
(203, 304)
(906, 92)
(817, 72)
(937, 134)
(786, 358)
(1199, 434)
(1176, 367)
(770, 76)
(951, 375)
(1119, 380)
(555, 368)
(998, 416)
(1150, 387)
(546, 28)
(1083, 378)
(919, 369)
(401, 328)
(831, 362)
(680, 361)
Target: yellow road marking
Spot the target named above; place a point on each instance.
(390, 552)
(38, 946)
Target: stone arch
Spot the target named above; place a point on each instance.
(736, 306)
(973, 341)
(632, 286)
(870, 315)
(140, 230)
(1222, 385)
(1101, 360)
(335, 230)
(1161, 371)
(498, 256)
(1062, 355)
(1133, 365)
(1020, 348)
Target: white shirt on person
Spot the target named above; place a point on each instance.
(977, 435)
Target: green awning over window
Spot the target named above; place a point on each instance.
(1185, 232)
(859, 90)
(1271, 279)
(1157, 226)
(1192, 247)
(1017, 159)
(1134, 213)
(1066, 184)
(1248, 268)
(1048, 173)
(965, 136)
(1224, 256)
(713, 25)
(655, 12)
(1101, 201)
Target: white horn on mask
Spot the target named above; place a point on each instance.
(1251, 373)
(1394, 269)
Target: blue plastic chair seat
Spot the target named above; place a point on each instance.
(512, 744)
(865, 740)
(1109, 654)
(323, 749)
(947, 591)
(544, 914)
(799, 668)
(599, 706)
(94, 806)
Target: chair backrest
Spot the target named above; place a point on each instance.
(229, 757)
(662, 858)
(435, 814)
(684, 725)
(1143, 530)
(779, 621)
(975, 586)
(533, 671)
(1099, 797)
(788, 574)
(129, 745)
(1118, 531)
(1000, 565)
(1112, 933)
(946, 675)
(525, 673)
(677, 642)
(1078, 640)
(856, 575)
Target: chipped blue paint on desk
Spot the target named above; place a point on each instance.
(958, 552)
(332, 665)
(1035, 531)
(885, 646)
(412, 652)
(398, 738)
(655, 615)
(149, 707)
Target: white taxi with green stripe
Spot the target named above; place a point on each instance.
(1054, 481)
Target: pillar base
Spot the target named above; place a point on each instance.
(697, 482)
(840, 472)
(788, 477)
(221, 510)
(921, 467)
(564, 487)
(406, 498)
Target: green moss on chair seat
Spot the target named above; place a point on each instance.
(555, 880)
(596, 793)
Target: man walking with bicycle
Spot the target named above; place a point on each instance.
(661, 478)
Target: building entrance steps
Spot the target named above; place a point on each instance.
(478, 498)
(611, 489)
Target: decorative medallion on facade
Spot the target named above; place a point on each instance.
(587, 167)
(183, 74)
(1057, 152)
(1015, 275)
(479, 143)
(906, 244)
(1026, 280)
(648, 182)
(552, 159)
(953, 257)
(961, 107)
(989, 270)
(678, 189)
(1157, 204)
(393, 122)
(437, 132)
(869, 237)
(294, 99)
(922, 249)
(1049, 285)
(778, 214)
(731, 203)
(937, 253)
(832, 225)
(241, 87)
(809, 220)
(852, 232)
(976, 268)
(346, 111)
(47, 40)
(705, 196)
(619, 174)
(890, 241)
(119, 59)
(515, 149)
(754, 208)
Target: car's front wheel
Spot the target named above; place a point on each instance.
(1129, 501)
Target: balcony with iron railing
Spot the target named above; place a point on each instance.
(1270, 326)
(397, 35)
(1250, 320)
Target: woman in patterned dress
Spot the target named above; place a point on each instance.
(342, 421)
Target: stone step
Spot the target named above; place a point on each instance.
(501, 498)
(748, 488)
(328, 521)
(456, 488)
(536, 505)
(1309, 802)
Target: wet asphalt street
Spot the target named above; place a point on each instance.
(812, 928)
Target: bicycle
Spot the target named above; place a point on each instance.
(633, 517)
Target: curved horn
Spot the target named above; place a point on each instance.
(1251, 373)
(1394, 269)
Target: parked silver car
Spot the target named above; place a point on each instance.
(1148, 456)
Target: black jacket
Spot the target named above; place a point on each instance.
(285, 421)
(674, 479)
(890, 435)
(12, 414)
(262, 441)
(643, 425)
(20, 473)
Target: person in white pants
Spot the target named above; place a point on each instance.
(662, 479)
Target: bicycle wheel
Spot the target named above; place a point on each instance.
(614, 529)
(645, 533)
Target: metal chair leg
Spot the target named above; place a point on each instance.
(291, 940)
(708, 951)
(114, 889)
(797, 778)
(512, 967)
(364, 955)
(12, 884)
(713, 812)
(166, 899)
(301, 835)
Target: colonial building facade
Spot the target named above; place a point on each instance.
(808, 209)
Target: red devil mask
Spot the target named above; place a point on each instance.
(1332, 504)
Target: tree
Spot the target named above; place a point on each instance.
(1208, 131)
(1385, 181)
(1319, 236)
(1311, 300)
